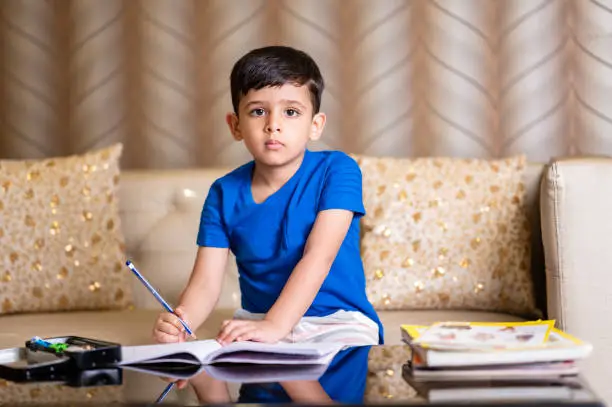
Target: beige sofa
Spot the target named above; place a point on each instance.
(160, 212)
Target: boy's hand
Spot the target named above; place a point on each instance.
(180, 383)
(168, 328)
(248, 330)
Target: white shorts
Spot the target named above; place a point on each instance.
(351, 328)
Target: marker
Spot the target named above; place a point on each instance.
(165, 393)
(55, 347)
(156, 294)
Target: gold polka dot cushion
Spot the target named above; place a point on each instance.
(12, 394)
(61, 246)
(384, 382)
(446, 233)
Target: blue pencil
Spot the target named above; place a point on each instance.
(165, 393)
(156, 294)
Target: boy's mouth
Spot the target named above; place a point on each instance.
(273, 144)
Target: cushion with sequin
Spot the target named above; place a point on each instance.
(60, 237)
(447, 233)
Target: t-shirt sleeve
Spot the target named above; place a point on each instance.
(212, 232)
(342, 188)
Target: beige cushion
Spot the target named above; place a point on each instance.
(447, 234)
(61, 239)
(577, 225)
(160, 213)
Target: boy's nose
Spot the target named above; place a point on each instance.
(273, 124)
(271, 128)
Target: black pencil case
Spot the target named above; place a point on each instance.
(86, 353)
(24, 365)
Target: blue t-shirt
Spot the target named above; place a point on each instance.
(268, 238)
(344, 381)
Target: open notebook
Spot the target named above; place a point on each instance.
(208, 352)
(236, 372)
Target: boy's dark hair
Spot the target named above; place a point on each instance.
(276, 66)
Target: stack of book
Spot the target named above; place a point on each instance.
(456, 361)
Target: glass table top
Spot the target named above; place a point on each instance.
(357, 375)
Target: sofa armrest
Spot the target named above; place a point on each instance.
(576, 207)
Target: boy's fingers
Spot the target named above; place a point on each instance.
(173, 320)
(226, 327)
(182, 315)
(242, 333)
(164, 337)
(168, 328)
(235, 330)
(179, 383)
(179, 313)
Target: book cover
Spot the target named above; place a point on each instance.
(484, 335)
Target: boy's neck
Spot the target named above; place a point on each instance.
(274, 177)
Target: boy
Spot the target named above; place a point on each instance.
(290, 216)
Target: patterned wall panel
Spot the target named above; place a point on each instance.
(383, 97)
(316, 28)
(97, 105)
(592, 34)
(460, 95)
(226, 30)
(168, 74)
(534, 83)
(30, 104)
(470, 78)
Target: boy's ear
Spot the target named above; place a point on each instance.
(232, 122)
(318, 123)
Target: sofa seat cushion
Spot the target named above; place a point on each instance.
(127, 327)
(393, 319)
(133, 327)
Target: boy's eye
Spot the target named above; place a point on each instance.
(292, 112)
(258, 112)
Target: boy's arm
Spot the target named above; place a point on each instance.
(204, 286)
(326, 237)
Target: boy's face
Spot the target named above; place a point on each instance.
(276, 123)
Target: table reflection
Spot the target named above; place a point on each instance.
(344, 381)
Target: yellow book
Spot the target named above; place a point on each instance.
(485, 335)
(476, 343)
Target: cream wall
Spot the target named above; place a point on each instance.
(470, 78)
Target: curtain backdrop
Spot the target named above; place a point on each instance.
(469, 78)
